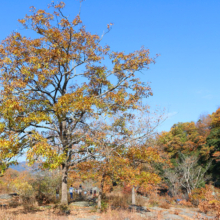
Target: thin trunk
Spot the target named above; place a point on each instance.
(188, 191)
(100, 193)
(64, 197)
(100, 200)
(133, 201)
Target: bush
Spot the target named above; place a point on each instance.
(43, 199)
(197, 195)
(140, 201)
(161, 201)
(153, 199)
(62, 209)
(164, 205)
(14, 202)
(119, 201)
(26, 194)
(209, 201)
(28, 203)
(185, 203)
(104, 205)
(45, 184)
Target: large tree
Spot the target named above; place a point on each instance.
(54, 88)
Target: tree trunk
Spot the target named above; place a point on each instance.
(64, 198)
(100, 193)
(133, 201)
(100, 200)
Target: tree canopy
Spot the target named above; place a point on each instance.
(55, 87)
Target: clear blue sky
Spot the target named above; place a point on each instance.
(185, 79)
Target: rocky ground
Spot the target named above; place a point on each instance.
(84, 210)
(173, 213)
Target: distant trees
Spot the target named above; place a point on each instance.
(188, 138)
(213, 142)
(194, 152)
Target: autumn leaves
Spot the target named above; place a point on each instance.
(59, 101)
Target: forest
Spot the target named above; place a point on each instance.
(88, 134)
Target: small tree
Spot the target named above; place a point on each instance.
(45, 184)
(6, 181)
(172, 180)
(192, 175)
(188, 174)
(124, 155)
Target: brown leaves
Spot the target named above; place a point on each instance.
(132, 62)
(109, 26)
(215, 117)
(56, 89)
(185, 137)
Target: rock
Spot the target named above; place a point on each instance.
(172, 216)
(192, 215)
(157, 208)
(150, 215)
(67, 212)
(5, 196)
(93, 217)
(13, 194)
(137, 208)
(80, 204)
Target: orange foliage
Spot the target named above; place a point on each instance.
(187, 137)
(42, 108)
(215, 117)
(210, 200)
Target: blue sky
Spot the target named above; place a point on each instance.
(185, 79)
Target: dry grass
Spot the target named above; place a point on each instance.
(40, 213)
(160, 201)
(164, 205)
(17, 211)
(186, 203)
(18, 214)
(118, 199)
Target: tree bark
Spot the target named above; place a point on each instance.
(133, 201)
(100, 193)
(64, 198)
(100, 200)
